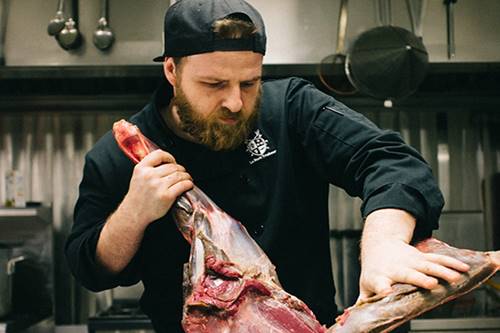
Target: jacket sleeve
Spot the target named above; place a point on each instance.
(353, 153)
(97, 200)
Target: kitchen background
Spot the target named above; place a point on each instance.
(55, 103)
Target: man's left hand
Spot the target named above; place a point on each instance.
(387, 258)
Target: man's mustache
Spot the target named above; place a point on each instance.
(228, 114)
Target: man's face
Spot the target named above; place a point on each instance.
(217, 97)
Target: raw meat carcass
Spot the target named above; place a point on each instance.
(230, 285)
(405, 302)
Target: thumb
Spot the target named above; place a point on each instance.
(382, 286)
(377, 286)
(363, 295)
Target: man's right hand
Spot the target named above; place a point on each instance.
(156, 183)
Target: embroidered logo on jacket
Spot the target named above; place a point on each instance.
(258, 147)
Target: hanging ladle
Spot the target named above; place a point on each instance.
(57, 23)
(103, 36)
(69, 37)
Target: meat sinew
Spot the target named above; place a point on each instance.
(404, 302)
(230, 285)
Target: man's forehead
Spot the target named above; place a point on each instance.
(224, 57)
(246, 65)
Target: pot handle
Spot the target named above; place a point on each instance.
(341, 27)
(11, 264)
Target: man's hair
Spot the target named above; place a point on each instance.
(234, 26)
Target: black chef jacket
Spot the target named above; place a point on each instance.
(276, 184)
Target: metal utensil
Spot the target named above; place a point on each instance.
(3, 29)
(384, 12)
(103, 36)
(416, 11)
(331, 69)
(57, 23)
(450, 27)
(69, 37)
(387, 62)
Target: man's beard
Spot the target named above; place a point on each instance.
(209, 131)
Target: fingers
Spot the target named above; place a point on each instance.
(167, 169)
(171, 174)
(379, 286)
(382, 285)
(438, 271)
(427, 272)
(167, 178)
(439, 266)
(156, 158)
(162, 165)
(176, 177)
(419, 279)
(178, 188)
(174, 186)
(450, 262)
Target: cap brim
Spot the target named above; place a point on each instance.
(159, 58)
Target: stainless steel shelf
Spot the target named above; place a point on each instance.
(155, 70)
(19, 224)
(28, 324)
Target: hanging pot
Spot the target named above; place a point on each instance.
(331, 70)
(387, 62)
(7, 269)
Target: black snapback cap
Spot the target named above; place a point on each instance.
(188, 28)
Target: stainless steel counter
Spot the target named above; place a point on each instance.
(456, 325)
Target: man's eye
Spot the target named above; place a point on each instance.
(247, 84)
(215, 84)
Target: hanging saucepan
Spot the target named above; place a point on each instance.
(387, 62)
(331, 70)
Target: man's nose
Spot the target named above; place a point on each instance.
(233, 100)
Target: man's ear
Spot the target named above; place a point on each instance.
(169, 69)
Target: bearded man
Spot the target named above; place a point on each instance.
(265, 152)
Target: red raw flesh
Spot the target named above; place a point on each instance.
(234, 289)
(230, 284)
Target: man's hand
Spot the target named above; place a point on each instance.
(156, 183)
(387, 258)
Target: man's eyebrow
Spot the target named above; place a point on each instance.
(256, 78)
(213, 78)
(210, 78)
